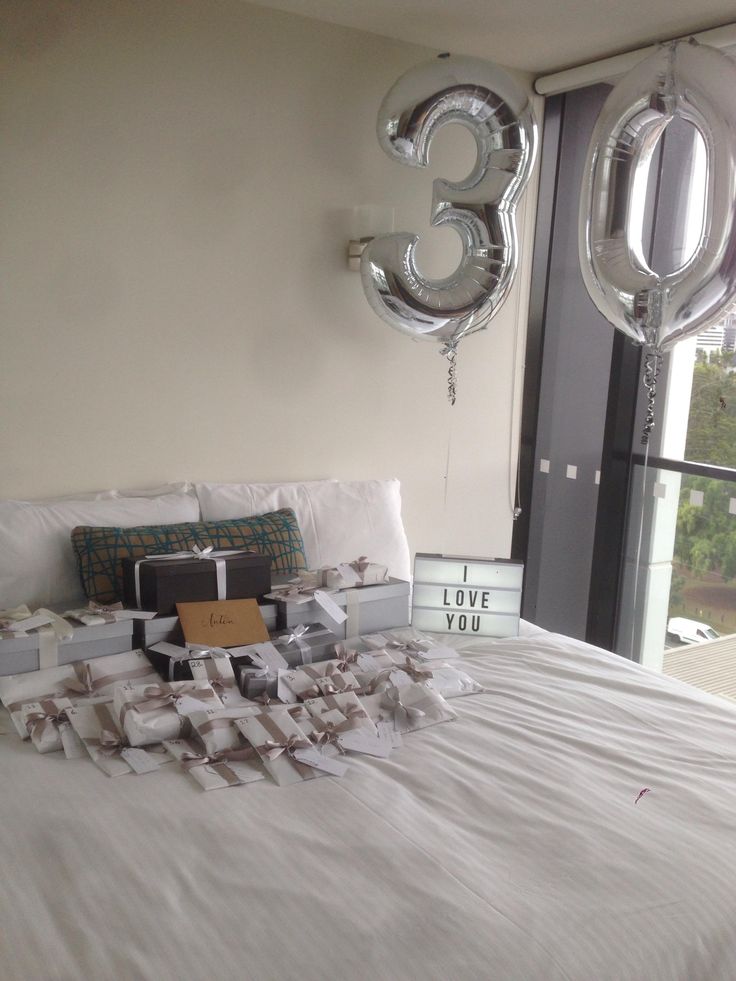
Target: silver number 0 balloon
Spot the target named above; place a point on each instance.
(658, 310)
(480, 208)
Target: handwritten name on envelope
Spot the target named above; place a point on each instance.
(222, 623)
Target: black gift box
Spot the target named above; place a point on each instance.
(166, 582)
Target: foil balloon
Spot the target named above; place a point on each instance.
(480, 208)
(697, 83)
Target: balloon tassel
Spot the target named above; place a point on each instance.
(652, 366)
(450, 353)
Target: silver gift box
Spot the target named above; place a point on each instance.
(320, 641)
(21, 654)
(378, 607)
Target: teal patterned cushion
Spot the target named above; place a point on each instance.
(100, 551)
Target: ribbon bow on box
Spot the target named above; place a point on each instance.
(295, 637)
(217, 762)
(273, 748)
(345, 656)
(50, 716)
(329, 731)
(403, 715)
(208, 553)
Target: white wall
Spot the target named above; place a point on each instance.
(178, 182)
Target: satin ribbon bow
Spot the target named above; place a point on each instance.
(273, 748)
(404, 715)
(406, 647)
(345, 656)
(158, 696)
(414, 671)
(334, 681)
(354, 716)
(38, 722)
(360, 565)
(79, 685)
(188, 760)
(110, 743)
(295, 637)
(107, 612)
(328, 735)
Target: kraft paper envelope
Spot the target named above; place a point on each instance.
(222, 623)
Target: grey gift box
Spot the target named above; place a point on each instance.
(21, 654)
(378, 607)
(320, 640)
(168, 629)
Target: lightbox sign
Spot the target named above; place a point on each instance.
(460, 595)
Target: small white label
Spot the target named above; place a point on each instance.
(659, 490)
(138, 760)
(313, 757)
(696, 498)
(283, 690)
(732, 505)
(400, 679)
(544, 466)
(186, 704)
(333, 611)
(572, 472)
(364, 741)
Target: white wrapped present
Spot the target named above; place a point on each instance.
(45, 722)
(100, 734)
(151, 713)
(217, 771)
(414, 707)
(216, 729)
(81, 681)
(285, 749)
(361, 572)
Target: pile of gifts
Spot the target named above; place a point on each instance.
(293, 709)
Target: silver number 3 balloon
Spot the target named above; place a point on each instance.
(697, 83)
(480, 208)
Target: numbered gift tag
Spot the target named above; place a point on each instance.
(318, 760)
(138, 760)
(364, 741)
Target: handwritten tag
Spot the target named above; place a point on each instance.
(222, 623)
(187, 703)
(313, 757)
(283, 690)
(333, 611)
(437, 654)
(138, 760)
(364, 741)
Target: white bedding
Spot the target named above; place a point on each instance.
(505, 846)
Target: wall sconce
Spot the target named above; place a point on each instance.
(368, 221)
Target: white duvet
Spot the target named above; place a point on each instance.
(505, 846)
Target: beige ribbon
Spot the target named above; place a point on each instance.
(404, 715)
(414, 671)
(216, 763)
(345, 656)
(50, 717)
(354, 719)
(161, 696)
(85, 684)
(295, 637)
(273, 748)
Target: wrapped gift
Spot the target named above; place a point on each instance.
(216, 771)
(257, 669)
(82, 681)
(45, 721)
(338, 713)
(304, 644)
(285, 749)
(301, 683)
(413, 707)
(361, 572)
(99, 732)
(95, 614)
(175, 663)
(216, 729)
(159, 582)
(411, 642)
(151, 713)
(364, 609)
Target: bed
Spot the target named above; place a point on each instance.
(575, 822)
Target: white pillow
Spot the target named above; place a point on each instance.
(339, 520)
(37, 564)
